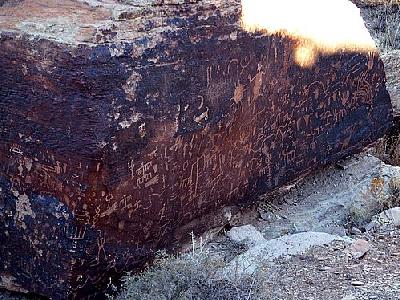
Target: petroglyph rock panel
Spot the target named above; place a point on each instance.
(122, 122)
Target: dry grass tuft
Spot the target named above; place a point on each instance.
(192, 275)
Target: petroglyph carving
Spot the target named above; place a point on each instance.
(115, 145)
(131, 86)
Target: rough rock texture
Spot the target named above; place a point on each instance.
(336, 198)
(375, 2)
(123, 121)
(387, 220)
(270, 250)
(259, 260)
(383, 22)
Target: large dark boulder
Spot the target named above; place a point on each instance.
(123, 121)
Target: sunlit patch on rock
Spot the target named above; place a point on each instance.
(328, 26)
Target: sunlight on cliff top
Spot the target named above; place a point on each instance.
(323, 26)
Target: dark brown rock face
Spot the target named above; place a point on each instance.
(121, 122)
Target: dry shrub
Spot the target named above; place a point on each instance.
(188, 276)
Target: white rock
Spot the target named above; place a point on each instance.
(349, 297)
(267, 251)
(390, 217)
(247, 234)
(393, 215)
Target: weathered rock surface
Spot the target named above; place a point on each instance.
(122, 121)
(375, 2)
(254, 262)
(270, 250)
(247, 234)
(331, 201)
(386, 220)
(359, 248)
(392, 65)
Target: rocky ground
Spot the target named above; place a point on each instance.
(331, 272)
(319, 241)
